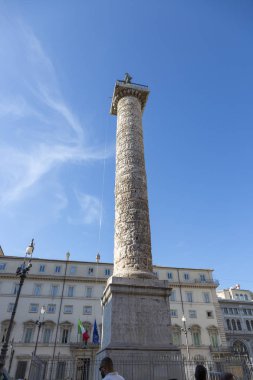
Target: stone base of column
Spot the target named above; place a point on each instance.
(144, 364)
(137, 329)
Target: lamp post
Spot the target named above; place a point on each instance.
(21, 271)
(185, 331)
(39, 324)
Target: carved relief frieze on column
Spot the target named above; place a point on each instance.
(132, 239)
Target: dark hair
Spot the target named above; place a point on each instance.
(107, 362)
(227, 376)
(200, 372)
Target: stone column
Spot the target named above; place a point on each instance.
(136, 310)
(132, 240)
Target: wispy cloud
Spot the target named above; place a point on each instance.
(89, 209)
(38, 129)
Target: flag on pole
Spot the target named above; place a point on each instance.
(95, 337)
(82, 330)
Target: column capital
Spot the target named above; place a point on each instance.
(122, 89)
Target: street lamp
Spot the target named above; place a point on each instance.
(21, 271)
(39, 324)
(185, 331)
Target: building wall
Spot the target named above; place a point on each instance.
(237, 311)
(193, 295)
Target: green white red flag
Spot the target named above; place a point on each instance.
(82, 330)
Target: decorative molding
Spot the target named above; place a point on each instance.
(122, 89)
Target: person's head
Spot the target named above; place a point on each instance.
(227, 376)
(106, 366)
(200, 372)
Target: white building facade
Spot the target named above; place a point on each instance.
(237, 309)
(71, 290)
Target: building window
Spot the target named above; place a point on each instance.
(248, 325)
(57, 269)
(68, 309)
(90, 271)
(54, 290)
(60, 370)
(176, 336)
(173, 296)
(186, 276)
(189, 297)
(236, 311)
(225, 310)
(214, 339)
(51, 308)
(233, 325)
(47, 335)
(28, 335)
(206, 297)
(21, 369)
(192, 314)
(230, 310)
(71, 291)
(251, 322)
(87, 310)
(33, 308)
(37, 290)
(209, 314)
(10, 307)
(239, 326)
(88, 292)
(173, 313)
(42, 268)
(249, 311)
(202, 278)
(246, 297)
(196, 338)
(245, 312)
(15, 288)
(4, 330)
(72, 269)
(65, 336)
(170, 275)
(2, 266)
(228, 324)
(107, 272)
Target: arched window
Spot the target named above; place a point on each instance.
(196, 335)
(239, 326)
(4, 329)
(234, 324)
(251, 322)
(47, 332)
(176, 335)
(228, 324)
(28, 333)
(65, 332)
(248, 325)
(214, 336)
(240, 348)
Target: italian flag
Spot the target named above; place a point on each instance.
(83, 331)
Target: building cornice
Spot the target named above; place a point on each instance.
(57, 278)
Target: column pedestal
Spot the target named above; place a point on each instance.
(136, 329)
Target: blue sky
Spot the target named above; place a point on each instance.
(58, 64)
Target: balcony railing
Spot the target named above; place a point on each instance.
(197, 281)
(220, 349)
(78, 345)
